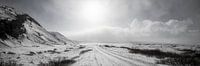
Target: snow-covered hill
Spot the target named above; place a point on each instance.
(20, 29)
(62, 38)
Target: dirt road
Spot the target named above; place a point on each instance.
(102, 57)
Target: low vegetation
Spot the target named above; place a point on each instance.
(58, 63)
(10, 63)
(84, 51)
(31, 53)
(52, 51)
(81, 47)
(187, 58)
(152, 53)
(11, 53)
(63, 61)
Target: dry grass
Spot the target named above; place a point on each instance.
(58, 63)
(10, 63)
(187, 58)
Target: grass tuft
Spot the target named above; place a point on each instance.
(187, 58)
(58, 63)
(10, 63)
(84, 51)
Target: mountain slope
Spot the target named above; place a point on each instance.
(61, 38)
(19, 29)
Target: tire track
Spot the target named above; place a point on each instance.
(132, 62)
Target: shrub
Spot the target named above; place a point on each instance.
(84, 51)
(188, 58)
(11, 53)
(58, 63)
(10, 63)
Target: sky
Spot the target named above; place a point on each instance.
(173, 21)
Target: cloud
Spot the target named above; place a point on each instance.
(152, 28)
(167, 19)
(175, 31)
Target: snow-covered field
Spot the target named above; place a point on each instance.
(139, 54)
(96, 54)
(39, 54)
(164, 54)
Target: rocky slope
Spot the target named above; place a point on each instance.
(20, 29)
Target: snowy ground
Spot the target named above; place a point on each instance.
(114, 54)
(102, 57)
(93, 54)
(32, 56)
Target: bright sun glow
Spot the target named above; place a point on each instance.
(93, 12)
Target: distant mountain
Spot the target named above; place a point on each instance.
(20, 29)
(62, 38)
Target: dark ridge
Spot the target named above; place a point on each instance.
(14, 28)
(31, 19)
(4, 6)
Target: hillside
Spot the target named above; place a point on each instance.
(20, 29)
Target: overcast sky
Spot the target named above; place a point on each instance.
(117, 20)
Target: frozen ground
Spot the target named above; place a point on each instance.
(102, 54)
(32, 56)
(119, 54)
(102, 57)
